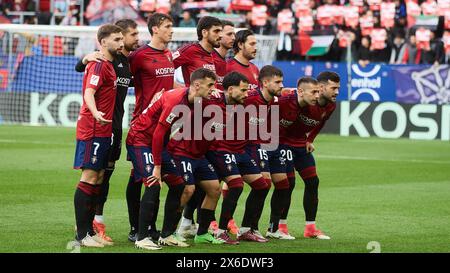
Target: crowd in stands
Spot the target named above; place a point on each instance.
(386, 31)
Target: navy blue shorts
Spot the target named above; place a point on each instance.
(143, 164)
(227, 164)
(195, 170)
(277, 163)
(297, 158)
(259, 155)
(92, 154)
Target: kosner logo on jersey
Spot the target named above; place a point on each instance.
(391, 120)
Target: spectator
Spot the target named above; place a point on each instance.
(187, 21)
(398, 49)
(175, 11)
(364, 54)
(434, 54)
(411, 51)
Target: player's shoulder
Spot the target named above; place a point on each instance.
(138, 52)
(99, 66)
(187, 47)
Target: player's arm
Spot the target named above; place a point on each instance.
(90, 103)
(96, 56)
(312, 135)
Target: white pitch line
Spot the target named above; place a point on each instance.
(380, 159)
(35, 142)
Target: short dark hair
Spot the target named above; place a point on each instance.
(207, 22)
(326, 76)
(305, 80)
(156, 19)
(126, 24)
(227, 23)
(241, 37)
(233, 79)
(269, 71)
(106, 30)
(202, 73)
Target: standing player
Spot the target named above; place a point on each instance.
(122, 69)
(189, 153)
(94, 132)
(153, 70)
(298, 128)
(245, 48)
(219, 55)
(191, 57)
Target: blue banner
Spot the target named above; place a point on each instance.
(410, 84)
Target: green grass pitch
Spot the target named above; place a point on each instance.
(394, 192)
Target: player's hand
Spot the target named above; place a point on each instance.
(156, 176)
(216, 93)
(99, 117)
(96, 56)
(310, 147)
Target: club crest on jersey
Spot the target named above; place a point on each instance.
(94, 159)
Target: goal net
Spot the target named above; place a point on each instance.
(38, 81)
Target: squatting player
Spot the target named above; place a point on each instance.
(189, 153)
(94, 132)
(299, 125)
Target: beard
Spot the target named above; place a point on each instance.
(113, 52)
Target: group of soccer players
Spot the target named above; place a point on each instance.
(167, 142)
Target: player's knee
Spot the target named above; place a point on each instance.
(236, 183)
(268, 183)
(173, 180)
(282, 185)
(187, 194)
(312, 184)
(214, 192)
(259, 184)
(308, 173)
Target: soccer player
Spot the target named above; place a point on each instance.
(153, 71)
(199, 55)
(189, 153)
(191, 57)
(219, 54)
(122, 69)
(235, 165)
(94, 133)
(299, 125)
(245, 48)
